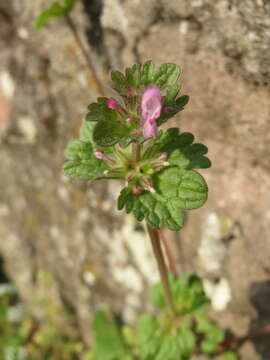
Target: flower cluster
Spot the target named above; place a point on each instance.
(121, 139)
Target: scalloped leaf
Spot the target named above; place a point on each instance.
(147, 73)
(172, 106)
(166, 74)
(183, 152)
(99, 111)
(119, 81)
(176, 190)
(108, 133)
(82, 164)
(133, 76)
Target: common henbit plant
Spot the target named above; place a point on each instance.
(159, 337)
(121, 139)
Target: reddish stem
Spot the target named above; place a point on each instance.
(236, 341)
(155, 240)
(171, 262)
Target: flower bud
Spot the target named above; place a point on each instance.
(147, 186)
(112, 104)
(100, 155)
(136, 191)
(164, 155)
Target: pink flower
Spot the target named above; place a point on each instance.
(136, 191)
(150, 108)
(100, 155)
(150, 128)
(112, 104)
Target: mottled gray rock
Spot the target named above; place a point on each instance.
(70, 232)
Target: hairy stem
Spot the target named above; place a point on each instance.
(169, 255)
(98, 85)
(136, 149)
(155, 240)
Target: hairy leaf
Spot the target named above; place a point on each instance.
(108, 133)
(176, 190)
(147, 72)
(166, 74)
(172, 107)
(183, 152)
(119, 81)
(82, 164)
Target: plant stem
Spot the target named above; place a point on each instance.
(234, 342)
(155, 240)
(136, 149)
(172, 265)
(98, 85)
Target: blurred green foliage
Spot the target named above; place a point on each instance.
(55, 10)
(154, 337)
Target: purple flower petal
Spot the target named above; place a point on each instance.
(150, 110)
(151, 104)
(150, 128)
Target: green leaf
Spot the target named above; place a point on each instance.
(229, 355)
(172, 106)
(169, 348)
(166, 74)
(86, 131)
(213, 335)
(109, 344)
(183, 152)
(133, 76)
(147, 72)
(119, 81)
(181, 188)
(54, 11)
(157, 211)
(83, 165)
(172, 93)
(148, 336)
(99, 111)
(157, 297)
(108, 133)
(188, 295)
(111, 127)
(187, 342)
(176, 189)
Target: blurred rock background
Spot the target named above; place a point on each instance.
(65, 243)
